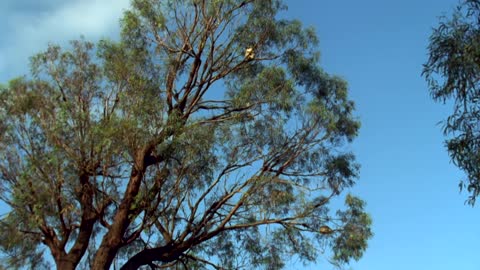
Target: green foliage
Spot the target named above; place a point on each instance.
(172, 147)
(453, 71)
(356, 228)
(20, 243)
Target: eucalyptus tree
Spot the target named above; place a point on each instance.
(453, 74)
(207, 137)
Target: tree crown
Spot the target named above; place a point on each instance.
(173, 147)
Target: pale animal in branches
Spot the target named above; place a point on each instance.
(249, 53)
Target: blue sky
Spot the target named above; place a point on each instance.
(378, 46)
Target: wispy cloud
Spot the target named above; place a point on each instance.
(28, 27)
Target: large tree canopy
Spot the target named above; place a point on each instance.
(207, 137)
(453, 73)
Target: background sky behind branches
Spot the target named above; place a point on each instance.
(378, 46)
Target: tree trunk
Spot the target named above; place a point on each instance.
(66, 264)
(104, 257)
(112, 240)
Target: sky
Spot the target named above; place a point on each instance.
(378, 46)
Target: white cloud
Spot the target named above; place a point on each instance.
(29, 33)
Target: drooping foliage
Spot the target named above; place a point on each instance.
(453, 73)
(173, 147)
